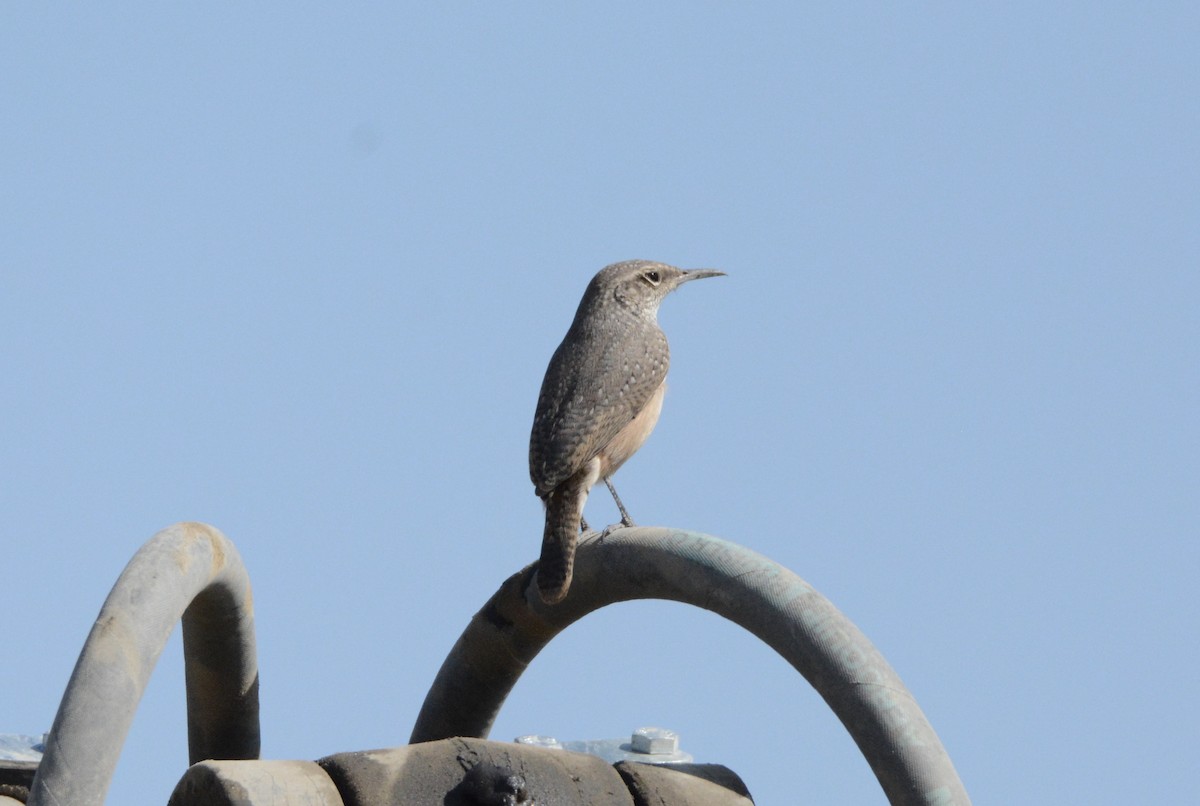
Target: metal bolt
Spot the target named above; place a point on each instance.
(535, 740)
(655, 741)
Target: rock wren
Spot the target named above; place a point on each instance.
(600, 399)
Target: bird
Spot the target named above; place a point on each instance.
(599, 401)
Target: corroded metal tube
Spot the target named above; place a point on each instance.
(760, 595)
(189, 571)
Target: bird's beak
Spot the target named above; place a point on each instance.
(699, 274)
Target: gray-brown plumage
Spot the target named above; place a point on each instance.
(599, 401)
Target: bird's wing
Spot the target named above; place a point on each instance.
(584, 403)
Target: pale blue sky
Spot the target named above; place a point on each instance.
(296, 271)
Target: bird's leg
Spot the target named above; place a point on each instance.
(625, 519)
(583, 527)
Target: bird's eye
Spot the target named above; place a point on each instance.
(653, 277)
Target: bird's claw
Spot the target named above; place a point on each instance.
(612, 527)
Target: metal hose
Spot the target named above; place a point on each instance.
(189, 571)
(732, 581)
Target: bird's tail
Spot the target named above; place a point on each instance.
(564, 508)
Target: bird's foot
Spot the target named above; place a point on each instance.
(612, 527)
(625, 519)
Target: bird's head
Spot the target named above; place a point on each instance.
(641, 285)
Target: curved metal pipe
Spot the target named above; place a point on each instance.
(732, 581)
(189, 571)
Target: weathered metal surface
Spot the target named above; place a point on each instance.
(709, 784)
(760, 595)
(466, 771)
(188, 571)
(255, 783)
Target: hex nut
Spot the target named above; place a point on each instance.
(654, 741)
